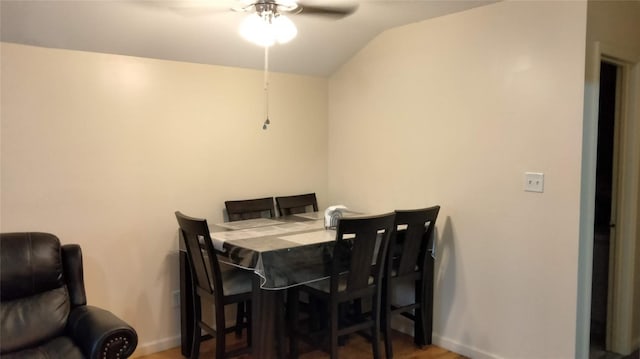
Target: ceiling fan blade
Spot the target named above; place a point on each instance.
(187, 8)
(329, 11)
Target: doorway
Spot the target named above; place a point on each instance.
(620, 315)
(605, 203)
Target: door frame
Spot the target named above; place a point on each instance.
(619, 323)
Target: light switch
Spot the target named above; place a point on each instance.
(534, 182)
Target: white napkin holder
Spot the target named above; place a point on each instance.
(331, 216)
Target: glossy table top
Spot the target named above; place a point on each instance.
(284, 251)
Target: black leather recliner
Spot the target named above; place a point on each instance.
(44, 311)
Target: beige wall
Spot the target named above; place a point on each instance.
(615, 23)
(453, 111)
(102, 149)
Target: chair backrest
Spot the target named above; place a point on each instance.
(361, 248)
(250, 209)
(204, 262)
(296, 204)
(409, 243)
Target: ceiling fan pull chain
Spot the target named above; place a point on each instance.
(266, 88)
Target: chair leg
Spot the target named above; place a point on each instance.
(427, 306)
(220, 335)
(248, 316)
(240, 310)
(420, 322)
(386, 325)
(420, 336)
(343, 309)
(220, 342)
(387, 293)
(375, 331)
(375, 342)
(195, 343)
(195, 340)
(333, 330)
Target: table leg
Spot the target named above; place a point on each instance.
(266, 310)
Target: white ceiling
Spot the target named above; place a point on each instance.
(206, 31)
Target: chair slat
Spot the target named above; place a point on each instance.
(238, 210)
(288, 205)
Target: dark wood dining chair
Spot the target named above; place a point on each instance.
(213, 285)
(250, 209)
(300, 203)
(356, 268)
(409, 261)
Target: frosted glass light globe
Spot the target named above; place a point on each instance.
(266, 30)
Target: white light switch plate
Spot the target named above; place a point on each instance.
(534, 182)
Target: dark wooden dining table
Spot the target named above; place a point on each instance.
(282, 252)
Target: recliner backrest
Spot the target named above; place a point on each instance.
(35, 301)
(31, 264)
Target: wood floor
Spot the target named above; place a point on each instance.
(356, 348)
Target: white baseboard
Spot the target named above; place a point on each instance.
(404, 325)
(462, 349)
(446, 343)
(156, 346)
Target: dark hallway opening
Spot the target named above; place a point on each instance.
(604, 223)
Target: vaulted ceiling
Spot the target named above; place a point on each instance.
(206, 31)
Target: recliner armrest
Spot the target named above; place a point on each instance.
(100, 334)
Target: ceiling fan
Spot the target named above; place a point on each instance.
(267, 21)
(329, 8)
(296, 7)
(266, 25)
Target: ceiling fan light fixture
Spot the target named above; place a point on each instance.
(266, 29)
(284, 30)
(256, 30)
